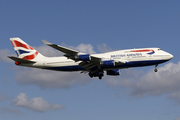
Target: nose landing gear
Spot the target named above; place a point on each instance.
(155, 70)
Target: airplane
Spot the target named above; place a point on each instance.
(94, 64)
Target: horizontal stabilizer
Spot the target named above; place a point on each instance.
(20, 60)
(61, 48)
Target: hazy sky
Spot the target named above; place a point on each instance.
(91, 26)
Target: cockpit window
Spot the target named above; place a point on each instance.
(159, 49)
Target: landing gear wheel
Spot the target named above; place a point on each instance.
(155, 70)
(90, 74)
(100, 77)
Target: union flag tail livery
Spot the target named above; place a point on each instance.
(94, 64)
(23, 50)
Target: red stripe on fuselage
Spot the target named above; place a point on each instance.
(145, 50)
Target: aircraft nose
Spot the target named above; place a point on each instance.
(170, 56)
(167, 56)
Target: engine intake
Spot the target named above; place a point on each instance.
(113, 72)
(86, 57)
(108, 63)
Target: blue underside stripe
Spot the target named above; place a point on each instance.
(126, 65)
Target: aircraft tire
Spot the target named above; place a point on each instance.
(155, 70)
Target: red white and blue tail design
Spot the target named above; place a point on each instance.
(23, 50)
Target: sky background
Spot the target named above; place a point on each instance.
(92, 26)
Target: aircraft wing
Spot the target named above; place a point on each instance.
(92, 62)
(61, 48)
(20, 60)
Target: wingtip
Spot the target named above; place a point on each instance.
(46, 42)
(9, 56)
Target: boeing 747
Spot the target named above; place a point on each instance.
(94, 64)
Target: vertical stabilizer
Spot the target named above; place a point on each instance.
(23, 50)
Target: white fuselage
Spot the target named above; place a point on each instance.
(131, 58)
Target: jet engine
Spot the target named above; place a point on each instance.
(108, 63)
(113, 72)
(85, 57)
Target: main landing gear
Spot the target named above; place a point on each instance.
(99, 74)
(155, 70)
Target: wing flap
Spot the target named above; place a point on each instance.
(87, 65)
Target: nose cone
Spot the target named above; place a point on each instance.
(167, 56)
(170, 56)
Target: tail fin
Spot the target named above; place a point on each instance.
(23, 50)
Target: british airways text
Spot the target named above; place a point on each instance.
(126, 55)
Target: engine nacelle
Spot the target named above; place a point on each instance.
(108, 63)
(86, 57)
(113, 72)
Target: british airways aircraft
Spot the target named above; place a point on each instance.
(94, 64)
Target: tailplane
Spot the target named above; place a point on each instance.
(24, 51)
